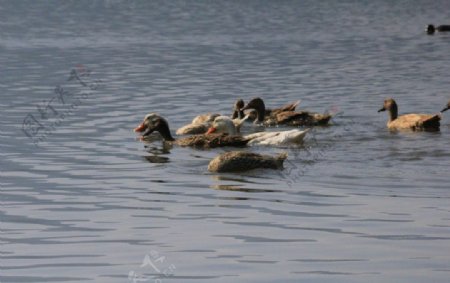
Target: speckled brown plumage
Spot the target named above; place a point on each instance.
(157, 123)
(237, 161)
(212, 141)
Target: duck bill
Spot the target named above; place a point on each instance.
(381, 110)
(211, 130)
(140, 128)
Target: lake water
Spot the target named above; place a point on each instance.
(83, 200)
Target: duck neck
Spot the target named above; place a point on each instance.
(393, 113)
(237, 114)
(165, 133)
(260, 113)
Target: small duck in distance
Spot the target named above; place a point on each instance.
(429, 122)
(431, 29)
(238, 110)
(153, 122)
(285, 117)
(446, 108)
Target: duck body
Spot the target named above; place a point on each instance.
(285, 116)
(154, 122)
(239, 112)
(223, 124)
(431, 29)
(238, 161)
(413, 122)
(199, 125)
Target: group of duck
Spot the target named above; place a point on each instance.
(215, 130)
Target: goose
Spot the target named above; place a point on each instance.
(237, 161)
(239, 104)
(446, 108)
(290, 118)
(224, 124)
(431, 29)
(409, 121)
(153, 122)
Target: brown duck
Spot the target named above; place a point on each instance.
(446, 108)
(409, 121)
(154, 122)
(239, 104)
(284, 116)
(238, 161)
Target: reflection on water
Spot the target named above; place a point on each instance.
(354, 203)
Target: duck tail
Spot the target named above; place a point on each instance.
(295, 104)
(280, 158)
(432, 122)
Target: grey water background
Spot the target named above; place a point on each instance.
(91, 203)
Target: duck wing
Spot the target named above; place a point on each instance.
(416, 122)
(236, 161)
(302, 118)
(193, 129)
(213, 141)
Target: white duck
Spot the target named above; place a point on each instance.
(224, 124)
(202, 123)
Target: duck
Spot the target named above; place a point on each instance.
(409, 121)
(238, 161)
(285, 117)
(153, 122)
(224, 124)
(239, 104)
(431, 29)
(199, 125)
(446, 108)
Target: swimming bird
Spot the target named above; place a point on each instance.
(224, 124)
(446, 108)
(409, 121)
(199, 125)
(286, 117)
(239, 104)
(238, 161)
(153, 122)
(431, 29)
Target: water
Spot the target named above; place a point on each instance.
(90, 202)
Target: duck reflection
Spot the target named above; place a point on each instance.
(236, 187)
(156, 152)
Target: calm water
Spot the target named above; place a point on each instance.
(90, 203)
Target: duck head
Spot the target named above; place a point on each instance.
(431, 29)
(237, 112)
(446, 108)
(259, 106)
(148, 120)
(153, 122)
(391, 106)
(222, 124)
